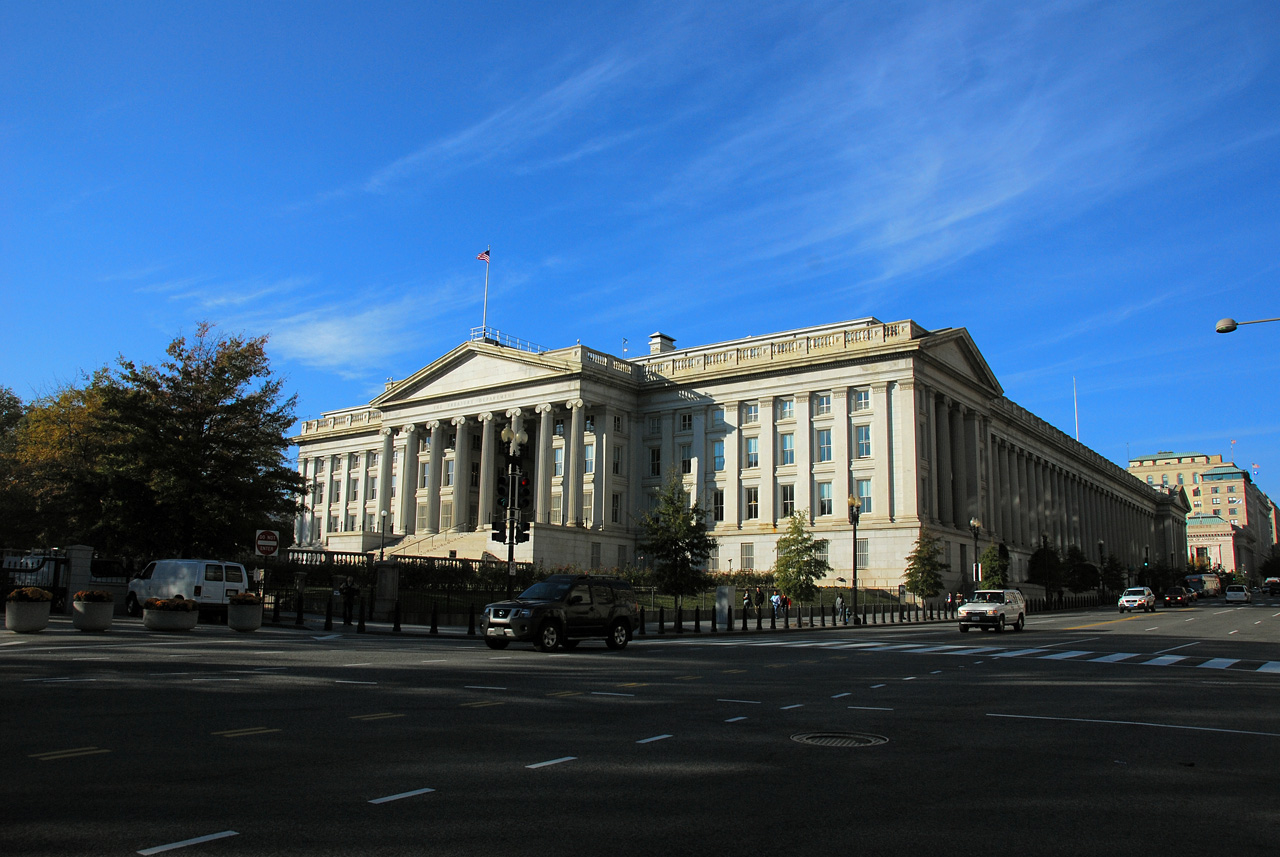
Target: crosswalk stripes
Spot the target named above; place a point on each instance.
(1133, 658)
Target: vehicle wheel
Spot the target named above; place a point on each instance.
(570, 644)
(496, 642)
(131, 605)
(549, 637)
(1121, 609)
(999, 628)
(964, 629)
(1021, 623)
(619, 636)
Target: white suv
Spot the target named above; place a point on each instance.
(1137, 598)
(994, 609)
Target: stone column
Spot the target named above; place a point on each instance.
(841, 451)
(804, 464)
(408, 499)
(462, 477)
(945, 477)
(768, 484)
(434, 458)
(384, 480)
(733, 464)
(488, 478)
(573, 464)
(960, 472)
(602, 477)
(882, 475)
(543, 468)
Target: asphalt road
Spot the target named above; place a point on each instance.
(1087, 733)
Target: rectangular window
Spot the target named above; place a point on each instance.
(686, 458)
(319, 467)
(475, 474)
(589, 458)
(588, 509)
(863, 554)
(717, 416)
(824, 444)
(713, 559)
(393, 485)
(862, 434)
(655, 425)
(753, 452)
(333, 523)
(373, 488)
(589, 423)
(863, 491)
(617, 423)
(448, 473)
(622, 556)
(422, 518)
(373, 459)
(748, 554)
(753, 503)
(557, 459)
(788, 449)
(1233, 511)
(788, 500)
(446, 516)
(558, 428)
(686, 422)
(615, 509)
(595, 554)
(617, 460)
(557, 509)
(862, 400)
(822, 404)
(717, 505)
(655, 461)
(786, 409)
(750, 414)
(824, 498)
(422, 474)
(821, 550)
(717, 455)
(355, 489)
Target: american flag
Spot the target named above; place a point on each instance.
(484, 257)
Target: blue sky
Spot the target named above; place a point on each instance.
(1087, 187)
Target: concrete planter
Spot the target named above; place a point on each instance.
(92, 615)
(26, 617)
(244, 617)
(170, 620)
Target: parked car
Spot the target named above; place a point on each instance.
(1137, 598)
(994, 609)
(1239, 592)
(1177, 596)
(208, 582)
(562, 610)
(1272, 585)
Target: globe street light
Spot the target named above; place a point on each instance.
(1227, 325)
(855, 509)
(975, 526)
(382, 551)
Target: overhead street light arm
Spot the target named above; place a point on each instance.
(1227, 325)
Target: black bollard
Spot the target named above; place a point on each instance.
(822, 617)
(662, 620)
(435, 618)
(744, 619)
(275, 608)
(824, 620)
(642, 622)
(713, 619)
(759, 618)
(786, 618)
(697, 618)
(328, 614)
(680, 619)
(360, 624)
(773, 619)
(396, 613)
(301, 599)
(471, 621)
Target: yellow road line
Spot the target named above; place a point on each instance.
(478, 704)
(688, 677)
(386, 715)
(566, 693)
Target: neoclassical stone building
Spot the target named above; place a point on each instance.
(911, 421)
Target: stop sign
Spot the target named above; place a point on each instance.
(266, 542)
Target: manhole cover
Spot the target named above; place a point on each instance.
(839, 739)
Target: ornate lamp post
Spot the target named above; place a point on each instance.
(975, 527)
(855, 509)
(382, 550)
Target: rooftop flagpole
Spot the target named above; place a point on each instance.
(484, 318)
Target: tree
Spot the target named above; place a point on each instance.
(1112, 573)
(801, 560)
(1081, 575)
(200, 460)
(674, 536)
(995, 566)
(923, 575)
(1044, 568)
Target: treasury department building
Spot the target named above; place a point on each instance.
(912, 422)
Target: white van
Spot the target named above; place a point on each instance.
(211, 582)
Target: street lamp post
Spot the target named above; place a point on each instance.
(975, 526)
(1228, 325)
(855, 509)
(382, 550)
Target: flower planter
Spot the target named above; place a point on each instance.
(170, 620)
(26, 617)
(244, 617)
(92, 615)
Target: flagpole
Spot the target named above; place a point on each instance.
(484, 318)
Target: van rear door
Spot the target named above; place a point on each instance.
(213, 589)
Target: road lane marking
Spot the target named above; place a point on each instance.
(104, 657)
(241, 733)
(874, 686)
(1115, 656)
(57, 755)
(910, 678)
(1270, 667)
(482, 687)
(386, 715)
(347, 681)
(184, 843)
(1164, 661)
(1017, 653)
(1175, 648)
(743, 701)
(401, 796)
(1062, 656)
(564, 693)
(1138, 723)
(608, 693)
(654, 738)
(789, 707)
(688, 677)
(841, 695)
(866, 708)
(735, 719)
(484, 704)
(1218, 663)
(551, 762)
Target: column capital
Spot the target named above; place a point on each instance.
(408, 428)
(386, 431)
(459, 421)
(514, 413)
(486, 417)
(433, 424)
(545, 407)
(575, 404)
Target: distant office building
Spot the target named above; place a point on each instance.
(909, 421)
(1232, 522)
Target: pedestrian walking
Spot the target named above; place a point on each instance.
(348, 590)
(840, 609)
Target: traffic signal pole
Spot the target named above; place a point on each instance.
(511, 513)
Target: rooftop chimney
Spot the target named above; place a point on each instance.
(660, 343)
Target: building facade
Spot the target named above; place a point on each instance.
(911, 422)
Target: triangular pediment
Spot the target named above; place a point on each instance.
(473, 367)
(955, 350)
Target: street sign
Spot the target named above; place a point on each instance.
(266, 542)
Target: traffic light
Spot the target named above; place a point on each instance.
(499, 531)
(522, 531)
(524, 492)
(504, 490)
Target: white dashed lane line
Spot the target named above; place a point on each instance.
(184, 843)
(550, 762)
(401, 796)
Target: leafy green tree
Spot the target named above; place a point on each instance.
(923, 575)
(674, 536)
(1081, 575)
(1112, 573)
(995, 566)
(801, 561)
(1044, 568)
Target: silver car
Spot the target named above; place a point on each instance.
(1137, 598)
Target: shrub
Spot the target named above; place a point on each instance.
(176, 604)
(94, 596)
(244, 598)
(30, 594)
